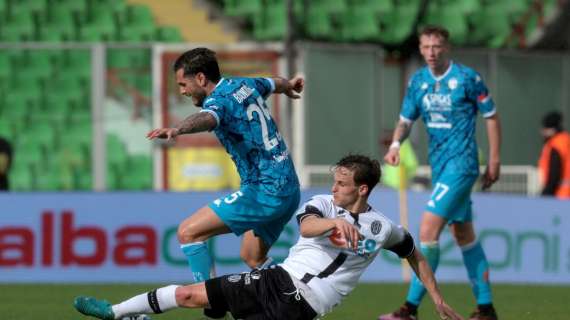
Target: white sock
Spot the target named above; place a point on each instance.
(162, 299)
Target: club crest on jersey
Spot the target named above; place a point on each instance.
(375, 227)
(452, 83)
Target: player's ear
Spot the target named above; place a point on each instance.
(201, 79)
(363, 190)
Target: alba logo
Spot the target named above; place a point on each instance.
(133, 245)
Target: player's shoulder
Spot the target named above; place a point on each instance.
(466, 72)
(324, 199)
(420, 76)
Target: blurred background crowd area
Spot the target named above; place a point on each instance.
(51, 53)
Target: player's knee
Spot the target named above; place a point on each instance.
(463, 238)
(186, 234)
(250, 259)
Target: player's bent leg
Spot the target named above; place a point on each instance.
(200, 226)
(253, 250)
(192, 234)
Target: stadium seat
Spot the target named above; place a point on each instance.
(244, 8)
(21, 177)
(360, 24)
(270, 24)
(18, 27)
(397, 25)
(168, 34)
(319, 24)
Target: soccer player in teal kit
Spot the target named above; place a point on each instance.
(448, 96)
(235, 109)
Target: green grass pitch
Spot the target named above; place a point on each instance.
(513, 302)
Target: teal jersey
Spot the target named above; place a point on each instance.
(247, 131)
(448, 105)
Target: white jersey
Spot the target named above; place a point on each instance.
(331, 272)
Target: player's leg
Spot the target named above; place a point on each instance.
(444, 206)
(274, 212)
(477, 269)
(430, 230)
(254, 251)
(192, 235)
(156, 301)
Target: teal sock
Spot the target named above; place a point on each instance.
(416, 292)
(478, 272)
(199, 260)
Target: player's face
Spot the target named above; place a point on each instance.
(190, 87)
(344, 190)
(434, 49)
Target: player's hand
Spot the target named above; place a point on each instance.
(163, 133)
(392, 157)
(349, 232)
(296, 86)
(446, 313)
(491, 175)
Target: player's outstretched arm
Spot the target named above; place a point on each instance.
(198, 122)
(422, 269)
(492, 171)
(290, 88)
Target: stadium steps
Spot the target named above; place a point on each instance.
(190, 19)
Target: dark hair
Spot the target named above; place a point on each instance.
(366, 171)
(199, 60)
(552, 119)
(431, 30)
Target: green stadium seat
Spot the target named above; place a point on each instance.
(48, 179)
(244, 8)
(137, 33)
(18, 27)
(374, 5)
(333, 7)
(83, 179)
(28, 153)
(396, 26)
(169, 34)
(271, 23)
(139, 14)
(360, 24)
(139, 176)
(21, 177)
(319, 24)
(489, 27)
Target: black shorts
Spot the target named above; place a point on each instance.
(260, 294)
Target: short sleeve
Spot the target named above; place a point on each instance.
(479, 93)
(316, 206)
(214, 107)
(265, 86)
(410, 108)
(400, 242)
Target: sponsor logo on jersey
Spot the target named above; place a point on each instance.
(234, 278)
(437, 102)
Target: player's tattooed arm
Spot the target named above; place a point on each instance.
(197, 122)
(402, 131)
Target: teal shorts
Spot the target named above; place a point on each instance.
(251, 209)
(451, 197)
